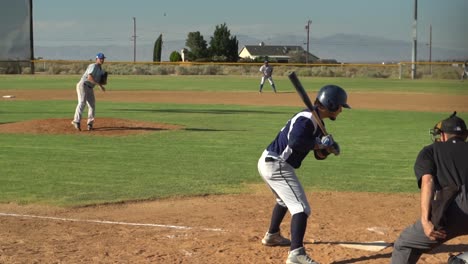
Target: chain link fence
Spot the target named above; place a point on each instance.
(402, 70)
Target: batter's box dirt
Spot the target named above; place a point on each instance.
(144, 232)
(102, 127)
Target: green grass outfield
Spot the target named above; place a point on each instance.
(217, 153)
(233, 83)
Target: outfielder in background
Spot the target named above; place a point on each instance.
(465, 71)
(94, 75)
(267, 71)
(278, 162)
(442, 175)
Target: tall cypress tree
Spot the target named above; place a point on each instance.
(157, 49)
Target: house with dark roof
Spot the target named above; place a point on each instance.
(279, 53)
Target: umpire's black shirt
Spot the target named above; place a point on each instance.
(446, 161)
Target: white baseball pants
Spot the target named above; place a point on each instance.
(282, 180)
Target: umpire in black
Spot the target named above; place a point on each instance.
(442, 174)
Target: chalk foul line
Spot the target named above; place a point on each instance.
(111, 222)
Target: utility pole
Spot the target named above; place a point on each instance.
(415, 37)
(31, 37)
(307, 27)
(430, 47)
(134, 39)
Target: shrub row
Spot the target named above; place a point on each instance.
(438, 71)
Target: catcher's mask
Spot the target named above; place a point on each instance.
(452, 125)
(435, 132)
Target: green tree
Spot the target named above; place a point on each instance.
(157, 49)
(197, 46)
(223, 46)
(175, 56)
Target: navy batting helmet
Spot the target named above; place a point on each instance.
(332, 97)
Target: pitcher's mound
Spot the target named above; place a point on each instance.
(102, 127)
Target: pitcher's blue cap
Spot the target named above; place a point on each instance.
(100, 56)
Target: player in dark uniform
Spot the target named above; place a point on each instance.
(442, 174)
(278, 162)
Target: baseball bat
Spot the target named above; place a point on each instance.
(305, 98)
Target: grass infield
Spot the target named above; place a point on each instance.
(217, 152)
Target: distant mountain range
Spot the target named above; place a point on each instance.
(341, 47)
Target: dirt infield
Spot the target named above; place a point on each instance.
(387, 101)
(209, 229)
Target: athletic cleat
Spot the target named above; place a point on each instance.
(275, 239)
(76, 125)
(299, 256)
(90, 127)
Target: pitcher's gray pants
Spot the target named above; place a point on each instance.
(85, 96)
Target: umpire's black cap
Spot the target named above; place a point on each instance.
(453, 125)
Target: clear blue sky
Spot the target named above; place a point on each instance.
(59, 22)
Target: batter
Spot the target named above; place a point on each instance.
(278, 162)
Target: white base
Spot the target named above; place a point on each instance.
(369, 246)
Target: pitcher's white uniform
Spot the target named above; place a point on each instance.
(85, 92)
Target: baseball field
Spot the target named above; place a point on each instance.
(169, 175)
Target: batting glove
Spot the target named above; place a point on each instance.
(325, 142)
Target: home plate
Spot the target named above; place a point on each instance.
(369, 246)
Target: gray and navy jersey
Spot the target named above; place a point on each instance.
(296, 139)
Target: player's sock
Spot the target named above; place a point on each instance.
(276, 218)
(298, 228)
